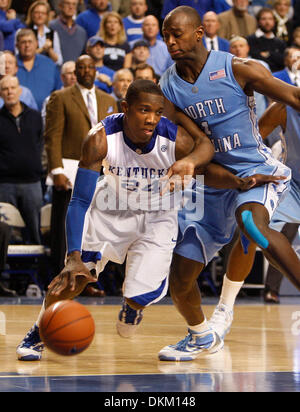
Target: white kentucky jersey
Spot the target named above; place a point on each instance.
(219, 106)
(132, 175)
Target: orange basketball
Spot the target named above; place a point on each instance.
(67, 328)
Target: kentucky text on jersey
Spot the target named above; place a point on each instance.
(136, 171)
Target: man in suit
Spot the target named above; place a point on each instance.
(211, 26)
(70, 114)
(290, 74)
(237, 21)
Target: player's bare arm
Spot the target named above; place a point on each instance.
(94, 149)
(216, 175)
(75, 274)
(253, 76)
(274, 116)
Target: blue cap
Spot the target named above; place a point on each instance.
(92, 41)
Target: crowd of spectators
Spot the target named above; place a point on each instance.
(46, 45)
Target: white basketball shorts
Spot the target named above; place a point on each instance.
(146, 238)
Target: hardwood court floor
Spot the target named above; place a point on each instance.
(263, 345)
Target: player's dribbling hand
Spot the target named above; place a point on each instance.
(259, 180)
(67, 277)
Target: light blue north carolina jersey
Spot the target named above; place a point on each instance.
(221, 109)
(219, 106)
(292, 142)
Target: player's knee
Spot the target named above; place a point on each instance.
(256, 230)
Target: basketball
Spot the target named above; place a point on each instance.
(67, 328)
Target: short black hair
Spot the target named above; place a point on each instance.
(190, 12)
(141, 86)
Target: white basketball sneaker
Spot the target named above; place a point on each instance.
(192, 346)
(221, 320)
(31, 347)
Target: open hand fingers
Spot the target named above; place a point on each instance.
(68, 280)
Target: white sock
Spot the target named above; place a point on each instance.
(230, 291)
(202, 327)
(42, 311)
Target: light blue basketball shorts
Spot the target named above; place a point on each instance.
(200, 240)
(288, 210)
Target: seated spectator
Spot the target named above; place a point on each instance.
(211, 26)
(133, 23)
(284, 25)
(21, 136)
(9, 24)
(48, 40)
(90, 19)
(140, 53)
(121, 81)
(291, 73)
(11, 68)
(104, 75)
(159, 58)
(117, 50)
(72, 36)
(237, 21)
(37, 72)
(145, 71)
(263, 43)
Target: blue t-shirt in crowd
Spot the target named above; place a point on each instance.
(42, 79)
(103, 86)
(90, 20)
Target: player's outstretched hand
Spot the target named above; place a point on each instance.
(67, 277)
(259, 180)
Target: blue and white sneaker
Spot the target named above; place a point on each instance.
(31, 347)
(129, 321)
(221, 320)
(192, 346)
